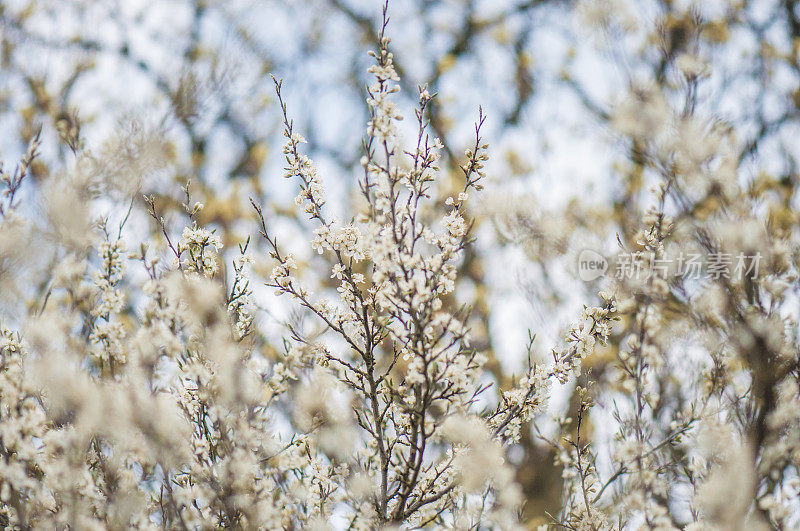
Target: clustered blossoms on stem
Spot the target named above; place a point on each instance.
(108, 333)
(240, 300)
(403, 354)
(532, 393)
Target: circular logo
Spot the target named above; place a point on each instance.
(591, 265)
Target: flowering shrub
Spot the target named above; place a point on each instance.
(170, 415)
(145, 383)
